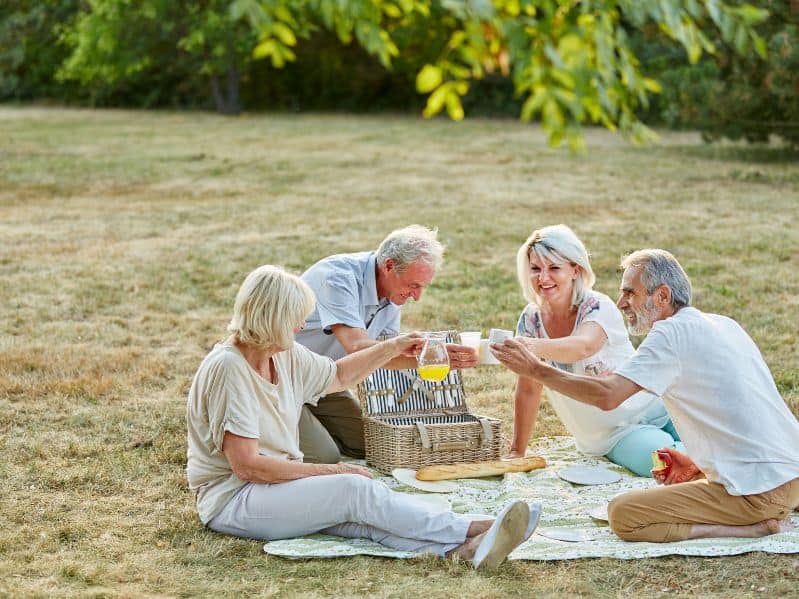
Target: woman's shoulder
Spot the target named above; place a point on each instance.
(595, 303)
(223, 357)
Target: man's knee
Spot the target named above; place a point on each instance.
(624, 517)
(618, 519)
(316, 444)
(321, 453)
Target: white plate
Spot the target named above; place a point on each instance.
(564, 534)
(585, 475)
(408, 477)
(599, 513)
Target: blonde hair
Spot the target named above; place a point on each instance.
(269, 305)
(559, 245)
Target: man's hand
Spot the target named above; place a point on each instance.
(461, 356)
(516, 357)
(680, 468)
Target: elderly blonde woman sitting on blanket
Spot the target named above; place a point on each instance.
(579, 330)
(244, 459)
(740, 475)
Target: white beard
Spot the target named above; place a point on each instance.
(643, 319)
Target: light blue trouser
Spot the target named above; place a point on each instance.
(634, 450)
(345, 505)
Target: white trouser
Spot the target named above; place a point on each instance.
(345, 505)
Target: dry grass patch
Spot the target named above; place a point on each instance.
(125, 236)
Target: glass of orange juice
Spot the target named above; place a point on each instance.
(433, 360)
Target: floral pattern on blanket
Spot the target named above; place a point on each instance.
(566, 506)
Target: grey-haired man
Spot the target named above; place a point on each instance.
(742, 476)
(359, 297)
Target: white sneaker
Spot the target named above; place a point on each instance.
(532, 522)
(506, 533)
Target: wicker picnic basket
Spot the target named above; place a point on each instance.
(410, 423)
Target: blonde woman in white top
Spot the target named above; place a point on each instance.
(581, 331)
(244, 460)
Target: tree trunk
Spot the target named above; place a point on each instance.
(227, 98)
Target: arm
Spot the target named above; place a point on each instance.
(246, 463)
(605, 393)
(357, 366)
(587, 340)
(355, 339)
(526, 405)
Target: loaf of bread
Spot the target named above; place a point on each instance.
(480, 469)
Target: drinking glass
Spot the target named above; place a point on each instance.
(433, 360)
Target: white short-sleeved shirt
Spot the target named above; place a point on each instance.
(596, 431)
(345, 286)
(228, 395)
(722, 400)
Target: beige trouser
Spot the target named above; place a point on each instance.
(667, 513)
(331, 428)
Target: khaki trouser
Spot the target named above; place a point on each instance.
(332, 428)
(667, 513)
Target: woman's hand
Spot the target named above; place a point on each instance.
(408, 345)
(680, 468)
(345, 468)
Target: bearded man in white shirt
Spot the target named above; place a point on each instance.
(742, 476)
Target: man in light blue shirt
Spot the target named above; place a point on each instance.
(359, 298)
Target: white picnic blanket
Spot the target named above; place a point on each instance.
(565, 506)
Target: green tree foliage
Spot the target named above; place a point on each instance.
(729, 94)
(150, 48)
(30, 50)
(571, 62)
(568, 62)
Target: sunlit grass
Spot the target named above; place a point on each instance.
(124, 236)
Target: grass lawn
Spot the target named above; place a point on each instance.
(125, 235)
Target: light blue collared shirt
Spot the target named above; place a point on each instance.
(345, 286)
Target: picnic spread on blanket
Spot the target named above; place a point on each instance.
(576, 513)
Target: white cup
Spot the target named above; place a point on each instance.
(499, 335)
(471, 339)
(484, 356)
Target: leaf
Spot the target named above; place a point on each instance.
(429, 78)
(264, 49)
(284, 34)
(435, 102)
(392, 11)
(454, 107)
(652, 85)
(760, 45)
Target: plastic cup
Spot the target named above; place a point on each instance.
(471, 339)
(499, 335)
(484, 356)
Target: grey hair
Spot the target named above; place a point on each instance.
(559, 245)
(269, 304)
(411, 244)
(659, 267)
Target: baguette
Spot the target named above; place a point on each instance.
(480, 469)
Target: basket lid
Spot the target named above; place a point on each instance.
(399, 392)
